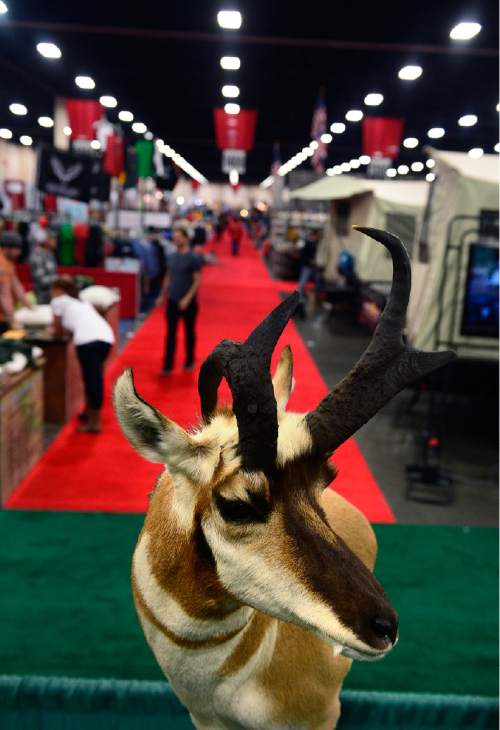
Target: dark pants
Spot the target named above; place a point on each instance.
(173, 316)
(235, 246)
(92, 357)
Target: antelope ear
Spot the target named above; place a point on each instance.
(154, 436)
(283, 380)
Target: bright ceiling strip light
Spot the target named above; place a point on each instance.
(417, 166)
(403, 170)
(125, 116)
(19, 110)
(67, 131)
(234, 177)
(230, 91)
(49, 50)
(47, 122)
(139, 127)
(391, 172)
(5, 133)
(410, 142)
(85, 82)
(108, 101)
(232, 108)
(468, 120)
(464, 31)
(26, 140)
(354, 115)
(476, 153)
(365, 159)
(410, 73)
(267, 182)
(230, 63)
(430, 177)
(374, 99)
(436, 132)
(229, 19)
(3, 7)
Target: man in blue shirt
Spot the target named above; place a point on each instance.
(181, 285)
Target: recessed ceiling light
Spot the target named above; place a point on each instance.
(232, 108)
(337, 169)
(430, 177)
(410, 73)
(417, 166)
(3, 7)
(497, 147)
(374, 99)
(230, 91)
(430, 163)
(403, 170)
(49, 50)
(108, 101)
(139, 127)
(85, 82)
(95, 144)
(230, 63)
(391, 172)
(67, 131)
(410, 143)
(435, 132)
(19, 109)
(337, 127)
(326, 138)
(125, 116)
(464, 31)
(313, 145)
(354, 115)
(47, 122)
(26, 140)
(5, 133)
(355, 164)
(148, 136)
(468, 120)
(229, 19)
(345, 167)
(330, 172)
(476, 153)
(365, 159)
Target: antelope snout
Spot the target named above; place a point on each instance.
(384, 627)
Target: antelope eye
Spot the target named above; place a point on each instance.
(240, 511)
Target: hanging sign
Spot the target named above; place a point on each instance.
(64, 174)
(83, 116)
(114, 155)
(16, 191)
(382, 136)
(234, 160)
(235, 131)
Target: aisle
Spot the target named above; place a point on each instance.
(103, 473)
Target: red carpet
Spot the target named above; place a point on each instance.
(103, 473)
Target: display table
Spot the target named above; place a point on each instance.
(21, 427)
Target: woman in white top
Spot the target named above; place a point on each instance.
(93, 338)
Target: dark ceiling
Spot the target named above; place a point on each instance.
(161, 60)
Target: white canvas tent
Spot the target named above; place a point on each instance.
(395, 205)
(463, 187)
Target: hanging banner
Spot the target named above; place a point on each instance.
(100, 183)
(64, 174)
(234, 160)
(144, 151)
(16, 192)
(83, 115)
(114, 155)
(235, 131)
(382, 136)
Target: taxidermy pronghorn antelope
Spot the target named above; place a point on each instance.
(252, 581)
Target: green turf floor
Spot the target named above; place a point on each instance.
(66, 610)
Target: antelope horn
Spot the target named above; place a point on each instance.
(387, 366)
(246, 369)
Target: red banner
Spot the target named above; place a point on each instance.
(16, 191)
(83, 114)
(382, 136)
(114, 155)
(235, 131)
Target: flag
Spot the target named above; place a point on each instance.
(318, 127)
(276, 164)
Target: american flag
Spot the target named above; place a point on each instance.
(276, 164)
(318, 127)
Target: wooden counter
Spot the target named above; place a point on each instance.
(21, 427)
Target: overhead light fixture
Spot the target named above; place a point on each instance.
(26, 140)
(160, 143)
(464, 31)
(67, 131)
(85, 82)
(148, 136)
(337, 127)
(435, 132)
(49, 50)
(410, 142)
(403, 170)
(19, 110)
(417, 166)
(267, 182)
(234, 177)
(476, 153)
(330, 172)
(430, 177)
(313, 145)
(497, 147)
(230, 91)
(125, 116)
(345, 167)
(326, 138)
(498, 107)
(410, 73)
(5, 133)
(139, 127)
(391, 172)
(3, 7)
(374, 99)
(229, 19)
(47, 122)
(337, 169)
(179, 200)
(354, 164)
(468, 120)
(95, 144)
(230, 63)
(108, 101)
(232, 108)
(365, 159)
(354, 115)
(430, 163)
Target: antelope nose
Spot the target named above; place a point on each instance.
(385, 628)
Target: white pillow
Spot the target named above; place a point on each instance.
(99, 296)
(39, 316)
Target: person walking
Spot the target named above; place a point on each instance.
(11, 290)
(236, 231)
(308, 268)
(43, 266)
(181, 285)
(93, 338)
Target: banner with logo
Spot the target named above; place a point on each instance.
(235, 131)
(382, 136)
(114, 155)
(83, 116)
(64, 174)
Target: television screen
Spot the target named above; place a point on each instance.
(480, 313)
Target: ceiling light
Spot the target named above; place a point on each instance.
(410, 143)
(19, 109)
(403, 170)
(5, 133)
(46, 122)
(234, 177)
(326, 138)
(330, 172)
(179, 200)
(125, 116)
(464, 31)
(355, 164)
(232, 108)
(229, 19)
(48, 50)
(85, 82)
(417, 166)
(108, 101)
(430, 177)
(497, 147)
(476, 153)
(160, 143)
(67, 131)
(435, 133)
(468, 120)
(3, 7)
(230, 91)
(230, 63)
(139, 127)
(26, 140)
(391, 172)
(313, 145)
(354, 115)
(345, 167)
(95, 144)
(430, 163)
(148, 136)
(410, 73)
(374, 99)
(365, 159)
(337, 127)
(337, 169)
(498, 107)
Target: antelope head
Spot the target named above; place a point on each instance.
(250, 477)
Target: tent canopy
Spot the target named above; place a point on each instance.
(338, 187)
(485, 168)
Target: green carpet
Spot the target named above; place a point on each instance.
(66, 610)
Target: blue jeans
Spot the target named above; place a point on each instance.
(307, 273)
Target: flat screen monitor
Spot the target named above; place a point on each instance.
(480, 313)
